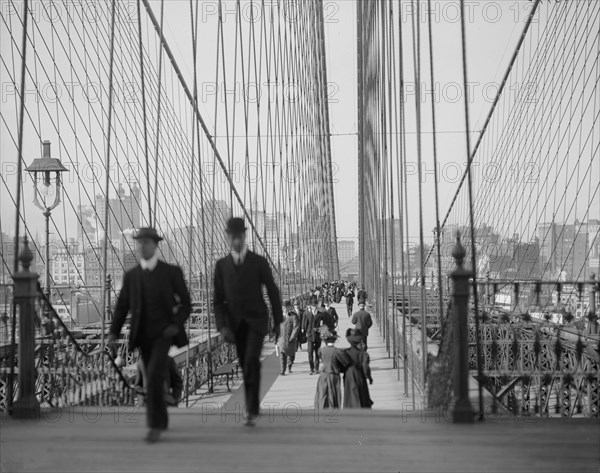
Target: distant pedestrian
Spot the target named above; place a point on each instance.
(361, 296)
(334, 362)
(288, 338)
(332, 318)
(356, 390)
(313, 320)
(301, 338)
(349, 302)
(362, 320)
(241, 314)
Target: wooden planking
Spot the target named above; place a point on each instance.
(350, 441)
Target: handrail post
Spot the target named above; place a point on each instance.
(461, 409)
(592, 311)
(25, 293)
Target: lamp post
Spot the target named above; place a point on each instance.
(47, 197)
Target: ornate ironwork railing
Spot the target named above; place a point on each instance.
(531, 366)
(535, 368)
(68, 371)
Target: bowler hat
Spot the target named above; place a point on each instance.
(235, 226)
(148, 232)
(287, 303)
(354, 335)
(313, 300)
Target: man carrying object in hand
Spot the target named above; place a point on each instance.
(155, 294)
(241, 313)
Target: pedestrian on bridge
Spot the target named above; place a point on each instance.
(331, 318)
(155, 294)
(361, 296)
(241, 314)
(287, 340)
(356, 390)
(313, 320)
(350, 302)
(334, 362)
(301, 338)
(362, 320)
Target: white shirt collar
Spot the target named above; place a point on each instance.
(149, 263)
(239, 256)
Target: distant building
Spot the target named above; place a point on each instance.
(67, 265)
(124, 212)
(346, 251)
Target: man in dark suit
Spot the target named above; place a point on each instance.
(241, 314)
(361, 296)
(155, 294)
(331, 316)
(362, 320)
(313, 320)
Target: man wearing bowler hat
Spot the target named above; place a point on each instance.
(241, 313)
(155, 294)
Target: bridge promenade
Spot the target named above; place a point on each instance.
(292, 436)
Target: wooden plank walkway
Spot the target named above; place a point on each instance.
(387, 390)
(102, 440)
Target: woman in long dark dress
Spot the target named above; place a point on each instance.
(333, 362)
(356, 390)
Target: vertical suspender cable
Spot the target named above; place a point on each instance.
(417, 62)
(471, 221)
(107, 168)
(13, 327)
(144, 117)
(159, 89)
(435, 173)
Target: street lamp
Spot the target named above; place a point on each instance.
(47, 197)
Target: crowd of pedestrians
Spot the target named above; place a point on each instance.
(344, 374)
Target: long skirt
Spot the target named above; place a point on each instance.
(329, 391)
(356, 389)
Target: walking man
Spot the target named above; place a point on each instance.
(241, 314)
(332, 317)
(155, 294)
(313, 320)
(288, 338)
(362, 321)
(349, 302)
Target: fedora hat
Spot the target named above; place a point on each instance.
(313, 300)
(148, 232)
(235, 226)
(354, 335)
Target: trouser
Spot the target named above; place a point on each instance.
(313, 353)
(364, 342)
(286, 360)
(249, 343)
(349, 307)
(155, 356)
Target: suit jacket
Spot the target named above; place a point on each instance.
(130, 301)
(331, 318)
(362, 320)
(312, 323)
(238, 293)
(289, 333)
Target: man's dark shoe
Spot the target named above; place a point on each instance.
(153, 435)
(251, 420)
